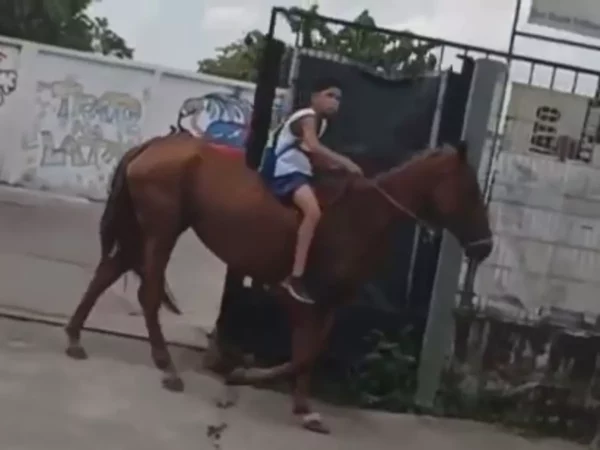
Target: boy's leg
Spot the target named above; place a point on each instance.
(305, 199)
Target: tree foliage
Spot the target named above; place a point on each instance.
(238, 60)
(63, 23)
(388, 54)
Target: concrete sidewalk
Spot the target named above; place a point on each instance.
(114, 401)
(49, 249)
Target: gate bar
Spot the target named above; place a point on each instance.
(541, 37)
(439, 42)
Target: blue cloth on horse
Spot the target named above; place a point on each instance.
(283, 187)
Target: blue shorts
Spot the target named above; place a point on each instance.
(283, 187)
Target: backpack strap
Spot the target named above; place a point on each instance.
(271, 153)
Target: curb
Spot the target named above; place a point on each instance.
(42, 319)
(35, 196)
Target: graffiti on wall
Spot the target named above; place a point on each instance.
(76, 129)
(8, 79)
(223, 117)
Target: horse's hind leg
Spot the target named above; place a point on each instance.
(168, 299)
(157, 252)
(108, 271)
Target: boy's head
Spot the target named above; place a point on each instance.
(325, 96)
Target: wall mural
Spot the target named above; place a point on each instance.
(8, 80)
(78, 136)
(223, 117)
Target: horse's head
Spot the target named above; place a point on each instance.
(446, 194)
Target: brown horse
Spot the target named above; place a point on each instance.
(178, 181)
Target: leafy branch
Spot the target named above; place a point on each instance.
(391, 55)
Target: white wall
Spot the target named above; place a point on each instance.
(66, 117)
(545, 212)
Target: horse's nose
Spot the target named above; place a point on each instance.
(479, 251)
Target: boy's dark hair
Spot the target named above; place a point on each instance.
(324, 83)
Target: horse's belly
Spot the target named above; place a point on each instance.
(247, 228)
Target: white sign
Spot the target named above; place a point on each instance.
(547, 122)
(577, 16)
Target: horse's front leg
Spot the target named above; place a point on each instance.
(310, 330)
(301, 405)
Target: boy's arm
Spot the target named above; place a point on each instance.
(312, 145)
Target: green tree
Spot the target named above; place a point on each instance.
(389, 54)
(63, 23)
(238, 60)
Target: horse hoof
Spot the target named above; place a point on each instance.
(314, 422)
(236, 377)
(229, 398)
(161, 360)
(212, 361)
(173, 383)
(162, 364)
(76, 352)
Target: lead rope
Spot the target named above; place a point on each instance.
(430, 229)
(403, 208)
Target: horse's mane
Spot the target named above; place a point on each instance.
(427, 153)
(178, 129)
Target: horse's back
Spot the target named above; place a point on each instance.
(164, 159)
(226, 203)
(182, 177)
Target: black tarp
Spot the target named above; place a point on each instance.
(378, 118)
(381, 122)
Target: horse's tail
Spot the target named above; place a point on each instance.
(119, 208)
(118, 222)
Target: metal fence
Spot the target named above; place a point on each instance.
(438, 55)
(543, 196)
(417, 60)
(443, 55)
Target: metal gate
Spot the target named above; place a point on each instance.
(520, 149)
(382, 119)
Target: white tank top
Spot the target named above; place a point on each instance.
(293, 160)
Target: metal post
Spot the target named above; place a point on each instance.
(515, 25)
(471, 267)
(272, 23)
(439, 331)
(433, 142)
(264, 95)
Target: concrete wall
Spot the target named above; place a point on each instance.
(545, 214)
(547, 225)
(67, 117)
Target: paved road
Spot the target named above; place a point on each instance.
(113, 401)
(49, 248)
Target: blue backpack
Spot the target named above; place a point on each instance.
(269, 157)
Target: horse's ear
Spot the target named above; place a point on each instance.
(461, 149)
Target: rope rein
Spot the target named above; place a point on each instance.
(423, 223)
